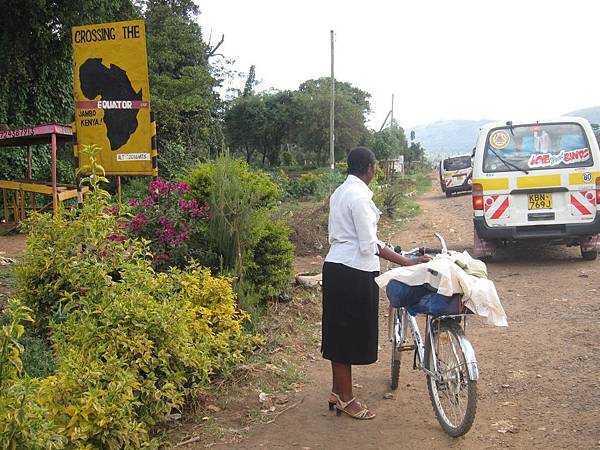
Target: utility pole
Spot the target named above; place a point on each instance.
(331, 113)
(392, 113)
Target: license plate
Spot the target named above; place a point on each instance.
(540, 201)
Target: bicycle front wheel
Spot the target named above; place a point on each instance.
(453, 395)
(396, 346)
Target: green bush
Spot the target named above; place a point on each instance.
(240, 229)
(131, 344)
(24, 423)
(393, 201)
(388, 200)
(38, 360)
(272, 259)
(132, 353)
(288, 158)
(315, 184)
(259, 190)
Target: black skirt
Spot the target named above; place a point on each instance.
(350, 315)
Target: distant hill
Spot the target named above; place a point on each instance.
(453, 137)
(592, 114)
(447, 137)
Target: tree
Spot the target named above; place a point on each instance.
(250, 82)
(351, 107)
(388, 143)
(245, 125)
(36, 72)
(415, 153)
(182, 84)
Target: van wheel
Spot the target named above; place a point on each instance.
(448, 194)
(589, 255)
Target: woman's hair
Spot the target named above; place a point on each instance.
(359, 160)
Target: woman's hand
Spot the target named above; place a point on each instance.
(419, 260)
(396, 258)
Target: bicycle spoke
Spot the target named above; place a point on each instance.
(451, 386)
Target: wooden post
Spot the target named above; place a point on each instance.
(15, 207)
(30, 176)
(5, 204)
(54, 190)
(23, 214)
(29, 165)
(119, 194)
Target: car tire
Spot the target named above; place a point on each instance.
(589, 255)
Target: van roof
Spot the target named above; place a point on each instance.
(457, 156)
(562, 119)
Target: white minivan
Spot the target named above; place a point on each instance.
(455, 174)
(537, 181)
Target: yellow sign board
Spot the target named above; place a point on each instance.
(112, 96)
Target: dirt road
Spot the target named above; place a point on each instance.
(539, 381)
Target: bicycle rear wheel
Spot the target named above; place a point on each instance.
(453, 395)
(396, 352)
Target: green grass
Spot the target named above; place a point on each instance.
(423, 182)
(407, 208)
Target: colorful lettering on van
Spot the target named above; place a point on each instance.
(565, 157)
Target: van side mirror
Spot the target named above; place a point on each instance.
(473, 153)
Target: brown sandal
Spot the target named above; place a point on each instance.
(333, 400)
(363, 414)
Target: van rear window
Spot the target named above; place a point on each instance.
(537, 147)
(461, 162)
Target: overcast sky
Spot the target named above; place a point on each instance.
(459, 59)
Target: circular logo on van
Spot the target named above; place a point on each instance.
(499, 139)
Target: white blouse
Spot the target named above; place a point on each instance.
(353, 221)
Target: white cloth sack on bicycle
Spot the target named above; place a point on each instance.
(442, 274)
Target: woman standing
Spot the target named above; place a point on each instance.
(350, 294)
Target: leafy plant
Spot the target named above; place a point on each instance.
(11, 349)
(240, 227)
(314, 184)
(131, 344)
(174, 226)
(38, 361)
(272, 260)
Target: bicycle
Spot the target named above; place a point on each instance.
(447, 358)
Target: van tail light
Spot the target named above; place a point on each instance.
(478, 196)
(597, 192)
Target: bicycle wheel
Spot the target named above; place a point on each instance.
(396, 353)
(453, 395)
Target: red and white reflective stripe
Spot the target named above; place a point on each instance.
(496, 207)
(583, 203)
(448, 182)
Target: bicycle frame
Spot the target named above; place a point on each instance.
(418, 346)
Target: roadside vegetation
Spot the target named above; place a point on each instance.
(130, 325)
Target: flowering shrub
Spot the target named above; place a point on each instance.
(129, 351)
(170, 222)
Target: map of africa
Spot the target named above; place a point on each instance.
(112, 83)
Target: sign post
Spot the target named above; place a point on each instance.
(112, 97)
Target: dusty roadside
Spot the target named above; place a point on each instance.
(540, 382)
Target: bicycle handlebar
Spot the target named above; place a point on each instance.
(420, 251)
